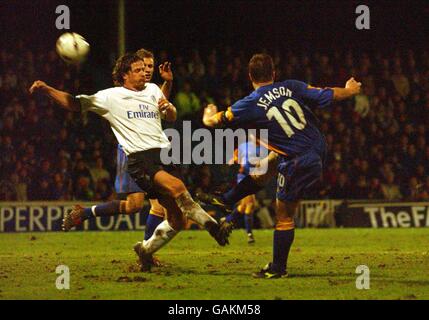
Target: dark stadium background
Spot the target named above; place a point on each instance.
(178, 25)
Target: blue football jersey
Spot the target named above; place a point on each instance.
(284, 108)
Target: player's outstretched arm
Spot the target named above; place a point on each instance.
(167, 75)
(64, 99)
(351, 89)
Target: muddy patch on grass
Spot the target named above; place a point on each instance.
(139, 279)
(134, 268)
(124, 279)
(132, 279)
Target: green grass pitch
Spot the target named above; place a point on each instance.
(322, 265)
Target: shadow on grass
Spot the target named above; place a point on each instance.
(177, 270)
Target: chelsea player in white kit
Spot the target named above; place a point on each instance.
(134, 111)
(125, 186)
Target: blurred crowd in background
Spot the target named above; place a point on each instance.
(378, 141)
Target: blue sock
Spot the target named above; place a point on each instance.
(248, 222)
(233, 217)
(111, 208)
(245, 188)
(283, 240)
(87, 214)
(151, 223)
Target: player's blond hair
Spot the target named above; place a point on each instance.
(143, 53)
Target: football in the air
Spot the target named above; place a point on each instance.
(72, 48)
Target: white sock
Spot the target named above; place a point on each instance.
(193, 210)
(160, 237)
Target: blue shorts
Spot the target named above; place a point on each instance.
(298, 174)
(124, 183)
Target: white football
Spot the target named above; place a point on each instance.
(72, 47)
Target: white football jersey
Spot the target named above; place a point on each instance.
(133, 115)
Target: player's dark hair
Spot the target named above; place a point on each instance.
(261, 67)
(143, 53)
(122, 66)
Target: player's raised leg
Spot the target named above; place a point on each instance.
(133, 204)
(250, 185)
(174, 188)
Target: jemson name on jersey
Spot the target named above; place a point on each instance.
(142, 114)
(273, 95)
